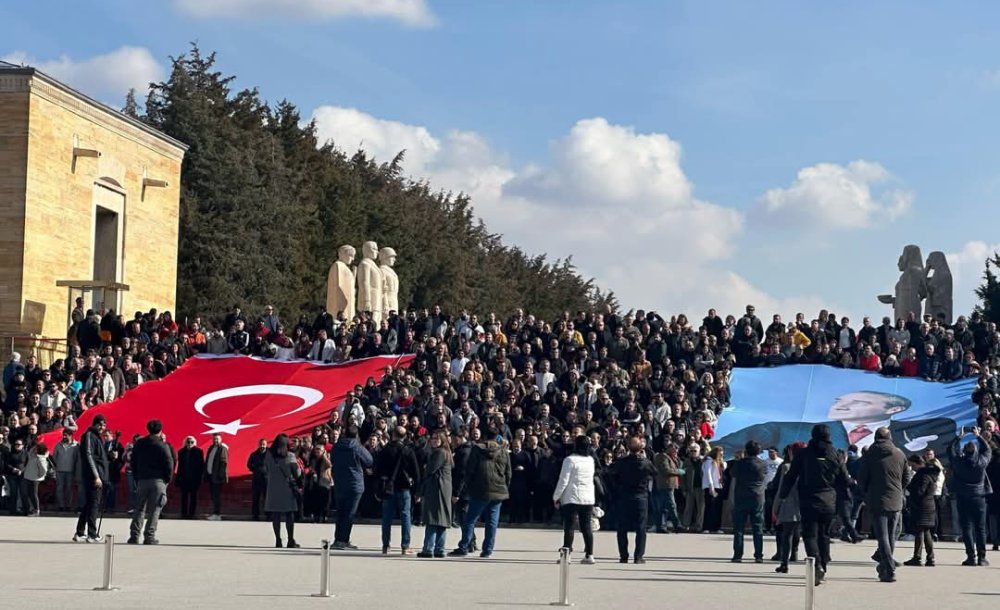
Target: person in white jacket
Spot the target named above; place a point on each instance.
(574, 496)
(34, 473)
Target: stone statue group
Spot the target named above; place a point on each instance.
(919, 282)
(374, 284)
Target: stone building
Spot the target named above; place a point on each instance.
(89, 204)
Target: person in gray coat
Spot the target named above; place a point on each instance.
(436, 495)
(882, 476)
(282, 480)
(786, 514)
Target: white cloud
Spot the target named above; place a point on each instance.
(410, 12)
(967, 266)
(834, 196)
(107, 77)
(618, 201)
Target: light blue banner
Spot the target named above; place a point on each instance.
(777, 406)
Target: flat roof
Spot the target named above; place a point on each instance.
(9, 68)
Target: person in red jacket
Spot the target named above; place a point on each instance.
(910, 364)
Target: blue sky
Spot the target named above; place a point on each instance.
(687, 154)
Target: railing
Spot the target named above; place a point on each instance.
(46, 349)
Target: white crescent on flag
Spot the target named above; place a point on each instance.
(309, 396)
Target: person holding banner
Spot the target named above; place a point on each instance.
(971, 486)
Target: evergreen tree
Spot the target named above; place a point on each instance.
(989, 291)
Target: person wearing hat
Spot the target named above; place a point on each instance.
(819, 473)
(92, 473)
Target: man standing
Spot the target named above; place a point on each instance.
(668, 473)
(970, 486)
(487, 484)
(64, 456)
(216, 473)
(152, 466)
(397, 471)
(694, 497)
(881, 477)
(633, 475)
(748, 474)
(350, 460)
(819, 473)
(773, 461)
(92, 472)
(258, 481)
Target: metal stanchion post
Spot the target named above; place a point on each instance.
(109, 563)
(324, 571)
(810, 581)
(563, 579)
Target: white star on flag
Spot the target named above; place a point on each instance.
(232, 428)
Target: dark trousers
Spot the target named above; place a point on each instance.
(713, 510)
(29, 496)
(665, 509)
(189, 502)
(632, 515)
(347, 507)
(584, 513)
(15, 487)
(847, 530)
(923, 539)
(88, 513)
(884, 523)
(755, 516)
(258, 487)
(972, 522)
(816, 534)
(289, 519)
(215, 488)
(939, 505)
(110, 496)
(788, 540)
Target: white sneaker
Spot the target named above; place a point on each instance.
(588, 560)
(215, 517)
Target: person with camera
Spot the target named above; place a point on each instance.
(152, 464)
(632, 477)
(92, 473)
(397, 472)
(971, 487)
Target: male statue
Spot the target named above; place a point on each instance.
(911, 287)
(370, 283)
(390, 281)
(340, 284)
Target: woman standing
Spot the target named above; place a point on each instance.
(318, 485)
(923, 511)
(190, 472)
(436, 494)
(574, 496)
(282, 479)
(34, 473)
(711, 481)
(786, 513)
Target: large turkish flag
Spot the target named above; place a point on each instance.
(242, 398)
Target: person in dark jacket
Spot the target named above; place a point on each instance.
(350, 460)
(437, 496)
(14, 465)
(398, 472)
(748, 475)
(190, 472)
(632, 476)
(882, 476)
(462, 451)
(92, 474)
(818, 473)
(258, 477)
(152, 467)
(283, 474)
(970, 486)
(487, 483)
(923, 510)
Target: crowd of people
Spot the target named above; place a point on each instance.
(496, 418)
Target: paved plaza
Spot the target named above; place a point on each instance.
(233, 564)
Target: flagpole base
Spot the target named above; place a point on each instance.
(108, 589)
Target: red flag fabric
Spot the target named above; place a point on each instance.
(242, 398)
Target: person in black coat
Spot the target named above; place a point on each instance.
(971, 488)
(92, 475)
(747, 475)
(258, 481)
(882, 476)
(632, 476)
(190, 472)
(819, 473)
(923, 511)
